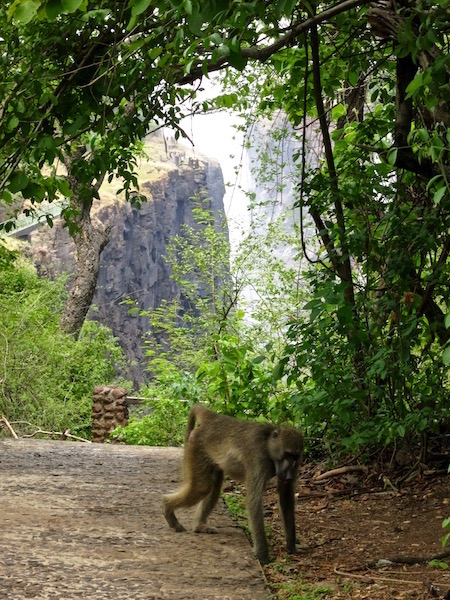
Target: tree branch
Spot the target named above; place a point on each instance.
(262, 54)
(342, 263)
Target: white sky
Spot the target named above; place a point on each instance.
(215, 135)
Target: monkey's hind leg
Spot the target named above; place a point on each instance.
(186, 496)
(197, 483)
(170, 502)
(208, 503)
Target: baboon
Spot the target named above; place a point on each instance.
(245, 451)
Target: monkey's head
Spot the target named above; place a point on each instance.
(286, 452)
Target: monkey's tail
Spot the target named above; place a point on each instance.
(193, 418)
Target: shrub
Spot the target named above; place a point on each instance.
(164, 426)
(46, 376)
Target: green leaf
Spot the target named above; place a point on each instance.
(446, 356)
(227, 100)
(401, 430)
(139, 6)
(216, 38)
(423, 134)
(258, 359)
(278, 370)
(223, 50)
(312, 304)
(71, 5)
(422, 79)
(18, 182)
(288, 7)
(438, 564)
(392, 156)
(236, 60)
(12, 123)
(189, 65)
(414, 85)
(63, 187)
(447, 321)
(439, 194)
(445, 539)
(195, 23)
(353, 78)
(75, 126)
(345, 314)
(6, 196)
(101, 14)
(53, 8)
(279, 8)
(436, 149)
(338, 111)
(155, 52)
(435, 180)
(135, 45)
(25, 11)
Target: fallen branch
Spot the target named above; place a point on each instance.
(60, 434)
(340, 471)
(8, 425)
(407, 560)
(63, 435)
(350, 493)
(372, 579)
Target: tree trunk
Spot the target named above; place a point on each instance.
(90, 239)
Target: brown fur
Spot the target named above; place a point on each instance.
(245, 451)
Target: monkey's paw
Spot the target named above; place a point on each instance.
(298, 549)
(205, 529)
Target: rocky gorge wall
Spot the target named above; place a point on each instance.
(132, 264)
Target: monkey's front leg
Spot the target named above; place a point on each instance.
(256, 522)
(286, 494)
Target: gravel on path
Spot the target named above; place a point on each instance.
(85, 521)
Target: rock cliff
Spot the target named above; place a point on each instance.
(132, 264)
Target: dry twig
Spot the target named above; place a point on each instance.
(8, 426)
(63, 435)
(409, 560)
(341, 471)
(373, 578)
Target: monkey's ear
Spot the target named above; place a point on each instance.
(275, 433)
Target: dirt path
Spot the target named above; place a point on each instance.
(85, 521)
(363, 540)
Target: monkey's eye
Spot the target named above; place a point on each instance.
(291, 456)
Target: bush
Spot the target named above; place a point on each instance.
(46, 376)
(367, 383)
(165, 426)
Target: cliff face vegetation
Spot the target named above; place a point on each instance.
(132, 264)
